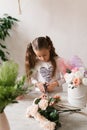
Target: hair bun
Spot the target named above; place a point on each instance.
(49, 40)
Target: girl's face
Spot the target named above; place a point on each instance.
(43, 54)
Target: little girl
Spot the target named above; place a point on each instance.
(45, 63)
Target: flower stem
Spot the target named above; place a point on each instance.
(71, 110)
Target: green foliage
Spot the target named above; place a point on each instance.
(37, 100)
(68, 70)
(55, 100)
(50, 113)
(8, 73)
(10, 87)
(6, 23)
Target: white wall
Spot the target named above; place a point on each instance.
(65, 21)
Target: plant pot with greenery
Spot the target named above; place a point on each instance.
(10, 89)
(6, 24)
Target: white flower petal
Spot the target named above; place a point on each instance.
(84, 81)
(69, 77)
(79, 74)
(48, 125)
(43, 104)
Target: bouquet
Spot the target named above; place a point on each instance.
(74, 71)
(76, 77)
(46, 110)
(43, 110)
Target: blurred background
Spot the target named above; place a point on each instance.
(64, 21)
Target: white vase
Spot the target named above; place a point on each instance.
(77, 96)
(4, 124)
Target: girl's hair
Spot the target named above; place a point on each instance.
(38, 44)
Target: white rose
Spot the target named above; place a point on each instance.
(84, 81)
(40, 118)
(32, 110)
(43, 104)
(69, 77)
(48, 125)
(79, 74)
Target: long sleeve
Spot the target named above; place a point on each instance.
(34, 79)
(43, 72)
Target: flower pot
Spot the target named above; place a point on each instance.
(4, 124)
(77, 95)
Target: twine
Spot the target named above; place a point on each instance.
(19, 6)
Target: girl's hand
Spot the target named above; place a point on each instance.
(21, 97)
(52, 85)
(40, 86)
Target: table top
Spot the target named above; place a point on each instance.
(16, 114)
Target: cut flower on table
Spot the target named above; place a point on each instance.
(43, 110)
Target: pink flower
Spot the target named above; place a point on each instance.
(63, 65)
(75, 69)
(77, 81)
(43, 96)
(56, 97)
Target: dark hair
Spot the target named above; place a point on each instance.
(38, 44)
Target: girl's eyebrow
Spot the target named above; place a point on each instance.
(42, 55)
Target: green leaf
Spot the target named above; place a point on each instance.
(54, 115)
(8, 73)
(2, 54)
(68, 70)
(4, 58)
(3, 46)
(37, 100)
(73, 87)
(15, 101)
(6, 23)
(12, 18)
